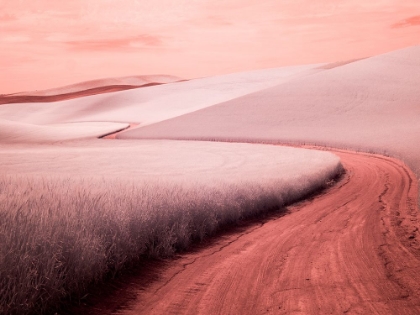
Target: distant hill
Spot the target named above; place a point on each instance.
(87, 88)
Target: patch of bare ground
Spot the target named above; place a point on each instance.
(113, 135)
(354, 249)
(11, 98)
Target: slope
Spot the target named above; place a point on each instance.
(371, 105)
(152, 104)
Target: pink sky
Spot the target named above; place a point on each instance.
(50, 43)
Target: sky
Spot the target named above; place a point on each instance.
(50, 43)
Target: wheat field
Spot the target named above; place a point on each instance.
(62, 233)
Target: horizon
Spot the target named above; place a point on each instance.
(47, 44)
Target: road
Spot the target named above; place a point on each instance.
(354, 249)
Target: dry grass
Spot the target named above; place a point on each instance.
(59, 236)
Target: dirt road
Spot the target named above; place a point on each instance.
(354, 249)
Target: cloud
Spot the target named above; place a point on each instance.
(7, 17)
(11, 38)
(411, 21)
(143, 41)
(218, 21)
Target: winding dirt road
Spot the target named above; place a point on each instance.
(354, 249)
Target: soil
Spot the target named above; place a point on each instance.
(113, 135)
(10, 99)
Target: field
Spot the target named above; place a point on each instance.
(77, 210)
(368, 105)
(75, 214)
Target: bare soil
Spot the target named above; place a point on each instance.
(354, 249)
(113, 135)
(10, 99)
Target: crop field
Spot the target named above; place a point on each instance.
(86, 220)
(77, 210)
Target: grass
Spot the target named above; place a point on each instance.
(106, 206)
(60, 235)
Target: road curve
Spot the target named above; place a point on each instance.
(354, 249)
